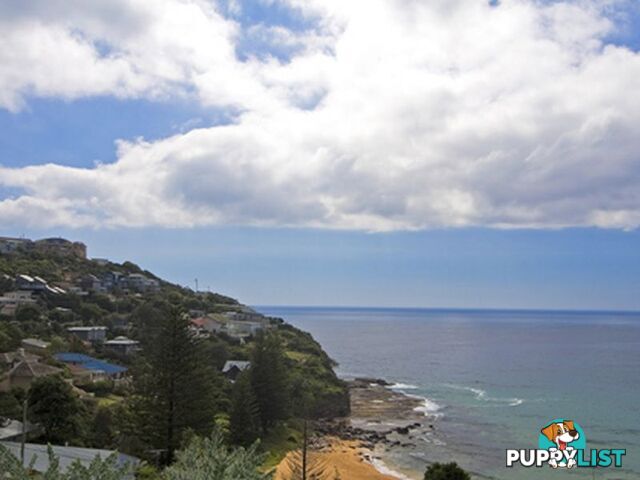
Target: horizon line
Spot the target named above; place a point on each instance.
(470, 309)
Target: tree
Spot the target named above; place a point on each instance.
(175, 388)
(270, 379)
(446, 471)
(53, 405)
(102, 433)
(244, 421)
(210, 459)
(28, 313)
(9, 408)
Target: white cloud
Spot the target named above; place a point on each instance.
(390, 115)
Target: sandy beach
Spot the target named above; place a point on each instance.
(337, 458)
(354, 448)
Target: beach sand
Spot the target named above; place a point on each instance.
(344, 459)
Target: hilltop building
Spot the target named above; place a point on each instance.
(10, 245)
(61, 246)
(55, 246)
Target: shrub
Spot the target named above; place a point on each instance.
(446, 471)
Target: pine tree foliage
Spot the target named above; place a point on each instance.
(270, 379)
(175, 387)
(244, 421)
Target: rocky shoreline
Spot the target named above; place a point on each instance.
(382, 419)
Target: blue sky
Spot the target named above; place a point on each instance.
(303, 153)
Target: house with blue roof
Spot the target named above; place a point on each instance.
(98, 368)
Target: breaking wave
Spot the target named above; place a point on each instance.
(482, 396)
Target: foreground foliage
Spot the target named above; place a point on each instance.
(446, 471)
(99, 469)
(210, 459)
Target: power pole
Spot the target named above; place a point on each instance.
(24, 430)
(304, 450)
(196, 285)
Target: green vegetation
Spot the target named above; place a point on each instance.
(210, 459)
(201, 459)
(175, 389)
(53, 405)
(244, 419)
(446, 471)
(270, 380)
(175, 394)
(106, 469)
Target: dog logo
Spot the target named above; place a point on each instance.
(562, 444)
(561, 434)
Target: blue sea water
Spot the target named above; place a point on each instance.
(494, 378)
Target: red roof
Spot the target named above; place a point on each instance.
(199, 322)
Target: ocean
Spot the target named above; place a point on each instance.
(491, 379)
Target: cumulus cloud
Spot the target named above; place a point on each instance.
(389, 114)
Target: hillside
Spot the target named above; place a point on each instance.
(93, 322)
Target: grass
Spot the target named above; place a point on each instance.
(280, 441)
(109, 400)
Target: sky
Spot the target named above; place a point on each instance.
(450, 153)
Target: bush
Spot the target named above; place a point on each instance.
(446, 471)
(101, 388)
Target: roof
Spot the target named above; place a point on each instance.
(66, 455)
(10, 357)
(35, 342)
(122, 341)
(239, 364)
(198, 322)
(33, 369)
(90, 363)
(13, 429)
(85, 329)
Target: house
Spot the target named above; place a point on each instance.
(10, 301)
(93, 334)
(111, 280)
(98, 368)
(233, 368)
(10, 245)
(60, 246)
(245, 315)
(37, 456)
(27, 282)
(141, 283)
(242, 329)
(207, 324)
(35, 345)
(24, 372)
(91, 283)
(9, 360)
(123, 345)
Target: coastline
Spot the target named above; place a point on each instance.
(385, 421)
(332, 457)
